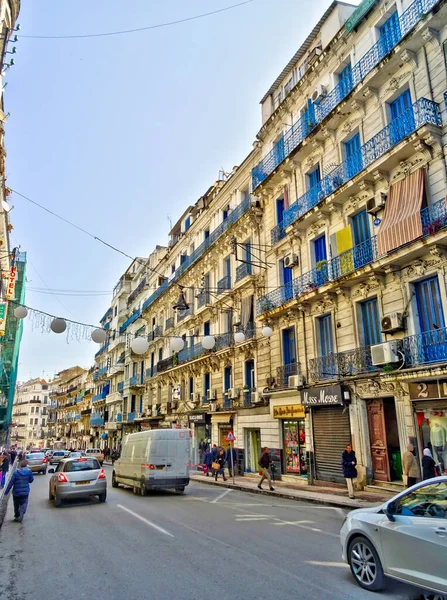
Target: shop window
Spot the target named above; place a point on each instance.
(295, 446)
(432, 425)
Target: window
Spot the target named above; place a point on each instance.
(390, 33)
(371, 322)
(30, 421)
(288, 346)
(250, 374)
(140, 410)
(187, 222)
(429, 305)
(324, 332)
(206, 234)
(207, 328)
(402, 117)
(86, 464)
(45, 399)
(228, 377)
(191, 386)
(115, 311)
(206, 383)
(36, 421)
(227, 269)
(37, 410)
(183, 257)
(353, 156)
(160, 354)
(172, 269)
(43, 422)
(428, 501)
(134, 369)
(225, 213)
(345, 81)
(133, 403)
(32, 410)
(279, 210)
(313, 177)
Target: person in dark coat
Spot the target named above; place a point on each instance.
(5, 468)
(265, 462)
(349, 463)
(428, 465)
(229, 453)
(12, 455)
(208, 461)
(20, 484)
(221, 460)
(215, 451)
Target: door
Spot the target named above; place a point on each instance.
(377, 437)
(288, 352)
(353, 153)
(321, 267)
(345, 82)
(363, 254)
(227, 272)
(402, 118)
(432, 343)
(328, 367)
(286, 282)
(314, 188)
(415, 543)
(278, 151)
(389, 34)
(279, 210)
(371, 323)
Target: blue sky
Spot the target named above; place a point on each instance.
(118, 133)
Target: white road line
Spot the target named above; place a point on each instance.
(157, 527)
(220, 496)
(297, 524)
(245, 519)
(294, 523)
(322, 563)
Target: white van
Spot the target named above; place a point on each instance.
(155, 459)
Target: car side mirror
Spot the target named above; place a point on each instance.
(50, 470)
(389, 511)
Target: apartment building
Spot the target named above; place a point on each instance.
(30, 414)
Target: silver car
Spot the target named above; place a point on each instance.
(57, 456)
(77, 478)
(37, 462)
(405, 539)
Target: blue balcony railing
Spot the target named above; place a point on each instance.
(102, 349)
(232, 218)
(425, 348)
(96, 420)
(169, 323)
(119, 418)
(321, 109)
(152, 371)
(342, 364)
(247, 398)
(224, 284)
(277, 233)
(133, 317)
(131, 416)
(203, 298)
(121, 386)
(422, 112)
(243, 270)
(100, 373)
(137, 379)
(227, 403)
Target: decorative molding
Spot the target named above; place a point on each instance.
(358, 106)
(434, 141)
(364, 289)
(315, 228)
(381, 177)
(420, 267)
(409, 58)
(431, 36)
(395, 83)
(376, 387)
(371, 92)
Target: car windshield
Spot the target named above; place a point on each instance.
(35, 456)
(89, 464)
(58, 453)
(75, 454)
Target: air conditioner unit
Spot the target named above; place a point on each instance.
(233, 393)
(383, 354)
(319, 93)
(256, 398)
(213, 406)
(373, 205)
(290, 260)
(211, 394)
(314, 54)
(393, 322)
(296, 381)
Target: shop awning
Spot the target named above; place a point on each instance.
(221, 418)
(402, 218)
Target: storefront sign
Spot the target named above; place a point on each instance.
(2, 319)
(11, 283)
(199, 419)
(325, 396)
(289, 411)
(428, 390)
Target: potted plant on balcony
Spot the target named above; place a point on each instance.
(388, 368)
(434, 226)
(266, 305)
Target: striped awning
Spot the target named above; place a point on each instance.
(402, 217)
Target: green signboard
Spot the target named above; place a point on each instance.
(361, 11)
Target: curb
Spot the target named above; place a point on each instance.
(278, 494)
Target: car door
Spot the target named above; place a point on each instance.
(415, 543)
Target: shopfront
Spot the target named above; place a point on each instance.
(331, 429)
(200, 425)
(294, 438)
(429, 401)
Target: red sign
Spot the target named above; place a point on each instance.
(11, 283)
(230, 437)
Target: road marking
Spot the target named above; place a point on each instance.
(293, 522)
(322, 563)
(220, 496)
(157, 527)
(239, 519)
(302, 526)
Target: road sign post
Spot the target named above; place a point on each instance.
(230, 438)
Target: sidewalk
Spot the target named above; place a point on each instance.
(329, 496)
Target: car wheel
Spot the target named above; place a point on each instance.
(50, 495)
(365, 564)
(434, 597)
(136, 490)
(102, 497)
(114, 481)
(143, 490)
(57, 501)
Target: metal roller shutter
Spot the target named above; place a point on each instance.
(332, 433)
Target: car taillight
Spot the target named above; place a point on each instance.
(61, 477)
(151, 467)
(102, 474)
(45, 460)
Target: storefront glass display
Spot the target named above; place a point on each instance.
(253, 450)
(432, 424)
(295, 447)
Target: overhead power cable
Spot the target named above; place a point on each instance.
(147, 28)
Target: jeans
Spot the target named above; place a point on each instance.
(3, 479)
(20, 505)
(219, 472)
(265, 475)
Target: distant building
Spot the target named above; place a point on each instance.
(30, 414)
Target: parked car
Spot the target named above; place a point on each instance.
(76, 454)
(77, 478)
(156, 459)
(405, 539)
(97, 453)
(57, 456)
(37, 462)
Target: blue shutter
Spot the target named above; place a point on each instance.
(206, 328)
(402, 116)
(248, 256)
(371, 322)
(314, 177)
(431, 345)
(325, 331)
(345, 81)
(320, 248)
(390, 33)
(279, 210)
(227, 378)
(288, 346)
(363, 251)
(249, 373)
(187, 223)
(286, 282)
(353, 152)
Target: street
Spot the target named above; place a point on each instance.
(206, 542)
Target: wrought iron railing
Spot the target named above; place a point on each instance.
(277, 233)
(249, 330)
(224, 284)
(155, 333)
(247, 397)
(137, 290)
(232, 218)
(227, 403)
(422, 112)
(152, 371)
(133, 317)
(203, 298)
(182, 314)
(99, 373)
(102, 349)
(121, 386)
(243, 270)
(224, 340)
(337, 365)
(318, 111)
(166, 363)
(131, 416)
(425, 348)
(284, 372)
(96, 420)
(169, 323)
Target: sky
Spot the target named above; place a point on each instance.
(119, 134)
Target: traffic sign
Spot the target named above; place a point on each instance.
(230, 437)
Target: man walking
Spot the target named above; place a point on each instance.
(264, 462)
(5, 468)
(230, 458)
(348, 463)
(20, 482)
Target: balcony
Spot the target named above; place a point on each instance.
(433, 218)
(342, 364)
(116, 368)
(203, 298)
(102, 349)
(156, 333)
(422, 112)
(277, 233)
(136, 292)
(121, 386)
(224, 284)
(169, 323)
(224, 340)
(152, 371)
(232, 218)
(425, 348)
(316, 113)
(248, 398)
(283, 373)
(243, 270)
(136, 380)
(182, 314)
(131, 417)
(85, 412)
(249, 331)
(133, 317)
(96, 420)
(227, 403)
(100, 373)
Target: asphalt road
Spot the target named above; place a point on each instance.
(203, 544)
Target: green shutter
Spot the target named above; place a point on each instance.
(361, 11)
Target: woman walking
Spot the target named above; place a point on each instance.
(221, 461)
(428, 465)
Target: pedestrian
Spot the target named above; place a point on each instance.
(349, 462)
(20, 482)
(5, 468)
(12, 455)
(428, 465)
(208, 460)
(230, 458)
(410, 466)
(215, 451)
(221, 461)
(265, 461)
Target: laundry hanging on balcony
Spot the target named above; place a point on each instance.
(343, 239)
(401, 222)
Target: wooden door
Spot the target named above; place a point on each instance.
(377, 437)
